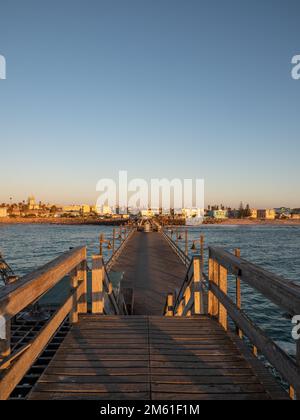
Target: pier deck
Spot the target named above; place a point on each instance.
(152, 269)
(153, 358)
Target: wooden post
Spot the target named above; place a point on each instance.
(5, 348)
(223, 319)
(170, 305)
(82, 276)
(114, 238)
(97, 285)
(297, 392)
(186, 243)
(213, 273)
(74, 284)
(198, 304)
(202, 252)
(101, 244)
(239, 332)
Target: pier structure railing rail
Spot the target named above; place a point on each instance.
(20, 295)
(208, 294)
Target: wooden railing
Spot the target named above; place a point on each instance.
(181, 254)
(28, 290)
(202, 294)
(283, 293)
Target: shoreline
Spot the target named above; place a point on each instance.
(84, 222)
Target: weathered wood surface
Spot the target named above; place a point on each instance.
(152, 269)
(152, 358)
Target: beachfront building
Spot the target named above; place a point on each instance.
(3, 212)
(253, 214)
(218, 214)
(32, 204)
(266, 214)
(147, 213)
(85, 209)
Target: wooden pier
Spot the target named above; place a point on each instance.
(161, 333)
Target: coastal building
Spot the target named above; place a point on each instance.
(86, 209)
(147, 213)
(71, 209)
(218, 214)
(106, 211)
(3, 212)
(253, 214)
(295, 215)
(266, 214)
(32, 204)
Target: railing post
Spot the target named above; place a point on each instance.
(170, 305)
(101, 244)
(213, 273)
(239, 332)
(74, 286)
(198, 296)
(5, 345)
(97, 285)
(186, 243)
(82, 276)
(223, 319)
(114, 239)
(297, 393)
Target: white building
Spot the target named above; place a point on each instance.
(3, 212)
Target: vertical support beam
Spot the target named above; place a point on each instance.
(114, 240)
(5, 344)
(223, 318)
(198, 304)
(170, 305)
(74, 286)
(186, 243)
(82, 276)
(239, 332)
(101, 244)
(296, 393)
(97, 285)
(213, 273)
(202, 253)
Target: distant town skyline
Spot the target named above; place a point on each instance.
(198, 89)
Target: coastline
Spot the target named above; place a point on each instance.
(86, 221)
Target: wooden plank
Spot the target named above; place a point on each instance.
(92, 387)
(213, 304)
(90, 396)
(282, 292)
(208, 389)
(17, 296)
(82, 276)
(21, 366)
(172, 396)
(97, 285)
(223, 320)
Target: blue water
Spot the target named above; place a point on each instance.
(27, 247)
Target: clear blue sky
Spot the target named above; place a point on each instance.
(162, 88)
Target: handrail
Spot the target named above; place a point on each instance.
(184, 258)
(282, 292)
(17, 296)
(117, 253)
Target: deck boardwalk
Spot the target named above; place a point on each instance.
(153, 358)
(152, 269)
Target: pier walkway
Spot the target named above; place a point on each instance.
(152, 358)
(177, 344)
(151, 269)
